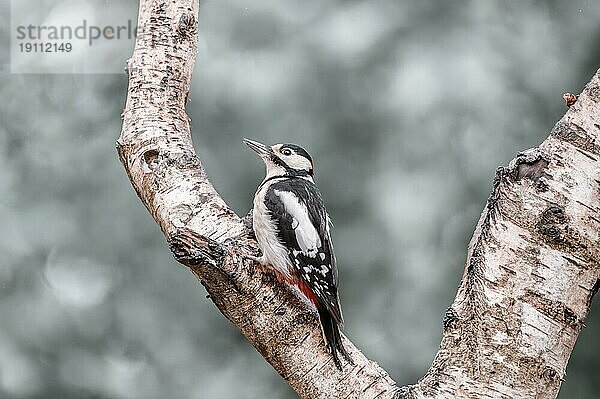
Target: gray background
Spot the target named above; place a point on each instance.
(407, 108)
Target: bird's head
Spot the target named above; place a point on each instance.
(283, 159)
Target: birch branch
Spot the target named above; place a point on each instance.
(531, 272)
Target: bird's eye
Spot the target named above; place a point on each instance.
(286, 151)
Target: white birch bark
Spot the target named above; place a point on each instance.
(531, 271)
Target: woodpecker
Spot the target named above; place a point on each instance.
(292, 228)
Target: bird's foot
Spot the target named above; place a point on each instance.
(253, 258)
(254, 262)
(247, 220)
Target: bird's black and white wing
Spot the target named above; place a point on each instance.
(297, 209)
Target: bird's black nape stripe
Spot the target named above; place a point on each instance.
(290, 171)
(278, 161)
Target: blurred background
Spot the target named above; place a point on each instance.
(407, 108)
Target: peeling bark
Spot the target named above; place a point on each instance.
(532, 268)
(532, 264)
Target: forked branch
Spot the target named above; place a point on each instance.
(531, 271)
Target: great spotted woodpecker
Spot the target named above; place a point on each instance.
(292, 229)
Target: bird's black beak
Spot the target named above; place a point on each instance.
(261, 149)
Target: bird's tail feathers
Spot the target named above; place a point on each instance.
(333, 338)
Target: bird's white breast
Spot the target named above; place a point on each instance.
(274, 252)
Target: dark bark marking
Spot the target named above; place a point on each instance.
(533, 171)
(268, 278)
(280, 311)
(193, 249)
(550, 224)
(576, 136)
(450, 317)
(530, 164)
(164, 82)
(187, 26)
(405, 392)
(247, 220)
(151, 158)
(593, 293)
(554, 310)
(536, 368)
(159, 22)
(554, 214)
(550, 375)
(204, 198)
(493, 201)
(593, 91)
(541, 186)
(585, 154)
(184, 160)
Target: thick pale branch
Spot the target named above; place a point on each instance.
(531, 272)
(531, 268)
